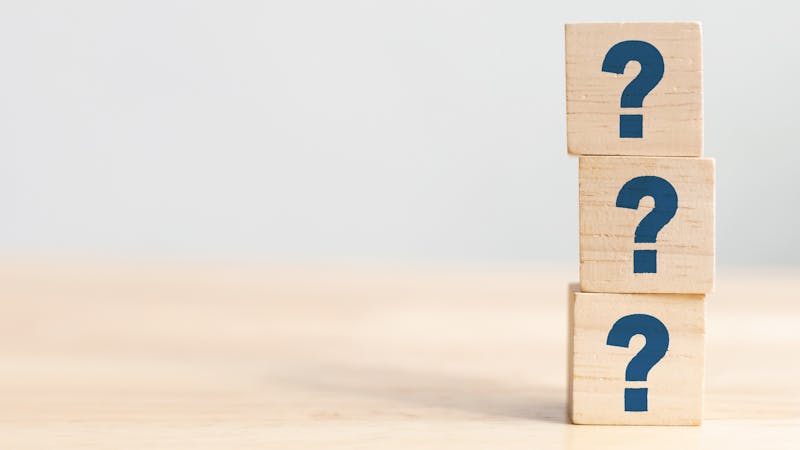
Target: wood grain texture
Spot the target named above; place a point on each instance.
(674, 384)
(684, 246)
(673, 110)
(112, 356)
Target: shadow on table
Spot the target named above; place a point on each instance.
(431, 389)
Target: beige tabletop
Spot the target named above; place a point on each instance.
(145, 356)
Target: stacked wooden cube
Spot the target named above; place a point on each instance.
(646, 202)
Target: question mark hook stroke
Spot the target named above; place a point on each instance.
(665, 205)
(652, 63)
(655, 347)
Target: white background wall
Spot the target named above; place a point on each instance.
(347, 130)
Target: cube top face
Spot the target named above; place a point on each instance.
(609, 330)
(646, 224)
(634, 89)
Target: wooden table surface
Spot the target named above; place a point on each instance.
(212, 357)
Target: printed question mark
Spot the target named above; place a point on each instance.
(655, 347)
(665, 205)
(652, 63)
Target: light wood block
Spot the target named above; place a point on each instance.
(614, 257)
(669, 390)
(671, 114)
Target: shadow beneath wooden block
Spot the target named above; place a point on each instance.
(426, 392)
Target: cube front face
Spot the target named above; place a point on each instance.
(608, 331)
(658, 114)
(629, 246)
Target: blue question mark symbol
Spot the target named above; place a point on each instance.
(652, 63)
(666, 204)
(655, 347)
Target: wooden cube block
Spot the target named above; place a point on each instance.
(634, 89)
(646, 224)
(636, 359)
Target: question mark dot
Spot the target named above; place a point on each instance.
(635, 399)
(630, 126)
(644, 261)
